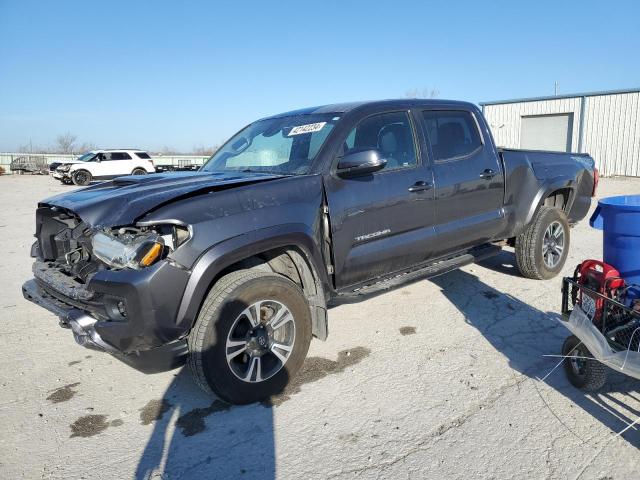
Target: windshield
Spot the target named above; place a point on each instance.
(85, 157)
(286, 145)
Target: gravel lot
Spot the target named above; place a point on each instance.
(437, 379)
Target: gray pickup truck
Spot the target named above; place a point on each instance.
(231, 269)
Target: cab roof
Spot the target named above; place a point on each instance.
(342, 108)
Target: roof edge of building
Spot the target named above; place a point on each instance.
(560, 97)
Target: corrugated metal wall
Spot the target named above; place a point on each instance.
(612, 133)
(505, 119)
(611, 127)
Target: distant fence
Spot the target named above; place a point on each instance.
(7, 157)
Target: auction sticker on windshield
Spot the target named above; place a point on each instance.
(309, 128)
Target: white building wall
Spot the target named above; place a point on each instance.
(611, 132)
(505, 119)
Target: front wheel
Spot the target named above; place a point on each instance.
(251, 336)
(542, 249)
(81, 178)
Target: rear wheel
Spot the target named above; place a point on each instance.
(139, 171)
(251, 336)
(81, 178)
(542, 249)
(582, 370)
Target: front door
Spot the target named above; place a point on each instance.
(382, 222)
(468, 177)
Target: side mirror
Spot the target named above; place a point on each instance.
(360, 163)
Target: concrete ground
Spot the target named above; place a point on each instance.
(437, 379)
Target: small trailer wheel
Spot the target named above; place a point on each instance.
(584, 373)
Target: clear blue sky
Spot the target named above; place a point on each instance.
(184, 74)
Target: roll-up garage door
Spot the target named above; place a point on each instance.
(546, 132)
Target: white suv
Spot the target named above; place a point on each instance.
(103, 165)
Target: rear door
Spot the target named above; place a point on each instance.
(468, 177)
(381, 222)
(117, 163)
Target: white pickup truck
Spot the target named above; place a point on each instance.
(104, 165)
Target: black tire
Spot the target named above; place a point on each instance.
(222, 308)
(587, 375)
(81, 178)
(529, 245)
(67, 181)
(139, 171)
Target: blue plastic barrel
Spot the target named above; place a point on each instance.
(619, 219)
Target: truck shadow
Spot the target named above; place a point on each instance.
(196, 436)
(504, 262)
(523, 334)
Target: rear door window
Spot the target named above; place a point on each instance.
(453, 134)
(120, 156)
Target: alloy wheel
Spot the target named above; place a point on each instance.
(553, 244)
(260, 341)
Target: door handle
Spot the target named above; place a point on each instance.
(488, 174)
(420, 186)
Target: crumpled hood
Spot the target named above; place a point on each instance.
(125, 199)
(59, 164)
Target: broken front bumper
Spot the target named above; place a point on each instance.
(82, 324)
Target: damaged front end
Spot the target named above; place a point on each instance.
(113, 287)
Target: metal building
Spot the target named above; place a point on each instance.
(603, 124)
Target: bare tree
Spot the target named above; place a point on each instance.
(86, 146)
(66, 142)
(434, 93)
(25, 148)
(204, 151)
(30, 148)
(168, 151)
(411, 93)
(199, 150)
(425, 93)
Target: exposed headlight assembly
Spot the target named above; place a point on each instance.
(127, 251)
(135, 247)
(63, 168)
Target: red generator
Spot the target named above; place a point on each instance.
(600, 277)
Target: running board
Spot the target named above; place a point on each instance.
(432, 270)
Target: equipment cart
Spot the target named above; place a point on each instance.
(603, 313)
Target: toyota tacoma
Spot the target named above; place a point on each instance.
(231, 269)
